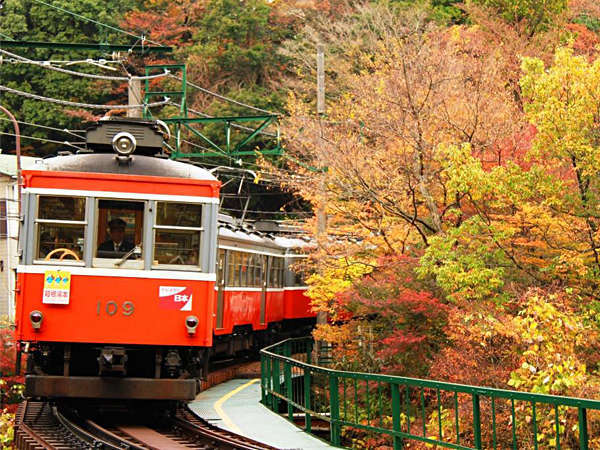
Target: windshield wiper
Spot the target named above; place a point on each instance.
(135, 250)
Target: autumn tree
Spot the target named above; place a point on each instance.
(534, 15)
(383, 141)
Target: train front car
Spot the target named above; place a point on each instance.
(115, 289)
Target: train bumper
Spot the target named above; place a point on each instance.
(109, 388)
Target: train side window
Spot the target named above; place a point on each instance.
(177, 234)
(276, 275)
(231, 255)
(60, 226)
(238, 269)
(255, 270)
(243, 269)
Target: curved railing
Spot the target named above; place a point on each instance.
(408, 409)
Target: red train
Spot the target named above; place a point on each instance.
(130, 280)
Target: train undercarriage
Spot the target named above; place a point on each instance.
(140, 372)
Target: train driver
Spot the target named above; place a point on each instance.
(117, 242)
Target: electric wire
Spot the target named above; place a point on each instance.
(45, 140)
(222, 97)
(101, 62)
(193, 144)
(2, 35)
(298, 213)
(80, 105)
(233, 125)
(45, 65)
(63, 130)
(58, 8)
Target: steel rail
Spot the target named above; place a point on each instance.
(82, 434)
(109, 436)
(188, 420)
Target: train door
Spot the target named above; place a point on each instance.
(221, 269)
(263, 293)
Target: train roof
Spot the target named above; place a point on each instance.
(249, 236)
(137, 165)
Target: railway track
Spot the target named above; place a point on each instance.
(45, 425)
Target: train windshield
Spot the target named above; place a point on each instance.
(177, 233)
(60, 228)
(120, 229)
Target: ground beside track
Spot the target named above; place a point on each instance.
(235, 406)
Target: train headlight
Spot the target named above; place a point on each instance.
(36, 318)
(124, 143)
(191, 323)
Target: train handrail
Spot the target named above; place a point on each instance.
(394, 406)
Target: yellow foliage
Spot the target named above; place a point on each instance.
(325, 284)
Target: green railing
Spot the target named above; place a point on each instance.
(408, 409)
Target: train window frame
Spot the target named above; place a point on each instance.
(276, 272)
(37, 221)
(231, 265)
(111, 263)
(156, 228)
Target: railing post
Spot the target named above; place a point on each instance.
(309, 349)
(476, 422)
(263, 379)
(583, 433)
(397, 424)
(287, 373)
(269, 382)
(334, 410)
(276, 384)
(307, 390)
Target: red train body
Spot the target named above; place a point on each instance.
(140, 317)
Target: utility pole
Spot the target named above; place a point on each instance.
(321, 211)
(320, 79)
(134, 94)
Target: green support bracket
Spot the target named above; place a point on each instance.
(180, 93)
(228, 122)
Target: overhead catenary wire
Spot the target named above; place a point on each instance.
(222, 97)
(47, 65)
(78, 104)
(298, 213)
(110, 27)
(193, 144)
(233, 125)
(46, 140)
(64, 130)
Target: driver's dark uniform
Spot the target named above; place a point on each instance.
(110, 246)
